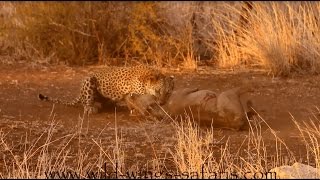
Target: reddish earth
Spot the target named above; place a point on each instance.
(23, 118)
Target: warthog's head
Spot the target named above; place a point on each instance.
(146, 105)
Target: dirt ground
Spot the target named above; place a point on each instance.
(23, 118)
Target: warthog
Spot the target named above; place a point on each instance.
(228, 109)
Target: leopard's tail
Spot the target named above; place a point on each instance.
(75, 102)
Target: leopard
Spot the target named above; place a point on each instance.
(115, 83)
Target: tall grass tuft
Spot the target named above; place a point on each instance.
(281, 37)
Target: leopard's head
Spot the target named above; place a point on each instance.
(160, 86)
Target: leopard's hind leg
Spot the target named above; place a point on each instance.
(88, 95)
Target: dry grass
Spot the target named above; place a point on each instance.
(50, 156)
(310, 133)
(194, 154)
(194, 151)
(281, 37)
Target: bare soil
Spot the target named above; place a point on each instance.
(23, 117)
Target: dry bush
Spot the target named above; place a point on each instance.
(146, 36)
(281, 37)
(159, 35)
(72, 32)
(97, 32)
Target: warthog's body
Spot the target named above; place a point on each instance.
(182, 99)
(228, 109)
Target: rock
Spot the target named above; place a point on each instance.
(296, 171)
